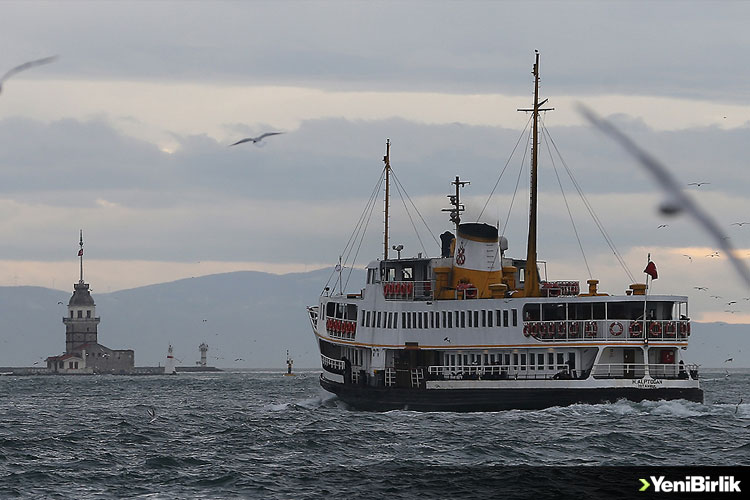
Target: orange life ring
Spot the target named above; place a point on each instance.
(670, 329)
(616, 328)
(543, 330)
(654, 331)
(534, 329)
(635, 329)
(560, 329)
(591, 328)
(573, 329)
(684, 329)
(409, 288)
(526, 330)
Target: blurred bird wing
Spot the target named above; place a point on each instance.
(26, 66)
(267, 134)
(247, 139)
(670, 186)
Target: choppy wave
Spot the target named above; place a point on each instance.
(259, 434)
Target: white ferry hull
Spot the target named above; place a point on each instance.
(465, 396)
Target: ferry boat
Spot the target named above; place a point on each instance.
(476, 330)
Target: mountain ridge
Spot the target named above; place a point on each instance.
(248, 318)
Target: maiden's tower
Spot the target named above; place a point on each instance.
(83, 353)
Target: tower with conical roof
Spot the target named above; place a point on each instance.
(81, 321)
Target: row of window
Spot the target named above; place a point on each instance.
(440, 319)
(80, 313)
(521, 361)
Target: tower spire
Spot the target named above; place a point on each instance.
(80, 254)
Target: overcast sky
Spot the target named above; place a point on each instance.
(126, 135)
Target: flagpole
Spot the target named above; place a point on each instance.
(646, 373)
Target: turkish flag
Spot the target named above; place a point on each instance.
(651, 270)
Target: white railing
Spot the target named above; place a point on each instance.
(609, 330)
(335, 364)
(341, 328)
(497, 372)
(638, 370)
(407, 290)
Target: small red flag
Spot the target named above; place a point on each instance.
(80, 252)
(651, 270)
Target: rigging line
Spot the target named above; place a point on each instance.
(518, 181)
(373, 194)
(364, 231)
(367, 215)
(398, 181)
(591, 211)
(505, 167)
(401, 195)
(545, 136)
(594, 216)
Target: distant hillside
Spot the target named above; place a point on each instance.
(250, 317)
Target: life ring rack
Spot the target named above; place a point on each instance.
(616, 329)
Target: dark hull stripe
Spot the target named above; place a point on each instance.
(463, 400)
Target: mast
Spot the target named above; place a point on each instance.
(531, 276)
(455, 200)
(80, 254)
(387, 161)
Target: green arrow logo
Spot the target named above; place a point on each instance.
(645, 486)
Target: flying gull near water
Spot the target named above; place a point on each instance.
(25, 66)
(256, 140)
(698, 184)
(152, 413)
(678, 200)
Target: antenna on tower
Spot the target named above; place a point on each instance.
(80, 254)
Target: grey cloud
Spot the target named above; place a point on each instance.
(688, 49)
(208, 201)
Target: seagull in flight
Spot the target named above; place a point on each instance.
(698, 184)
(715, 254)
(679, 201)
(446, 339)
(689, 257)
(256, 140)
(704, 288)
(23, 67)
(739, 223)
(716, 296)
(729, 360)
(152, 413)
(662, 225)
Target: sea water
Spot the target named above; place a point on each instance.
(258, 434)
